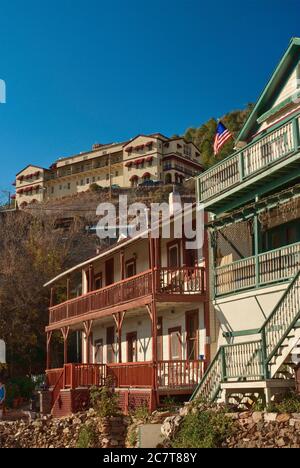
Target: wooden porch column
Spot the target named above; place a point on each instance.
(154, 343)
(119, 319)
(122, 263)
(87, 330)
(65, 333)
(91, 278)
(157, 262)
(49, 336)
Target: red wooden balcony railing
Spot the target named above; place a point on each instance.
(131, 288)
(184, 280)
(136, 374)
(179, 374)
(170, 374)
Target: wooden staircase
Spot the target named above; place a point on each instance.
(262, 360)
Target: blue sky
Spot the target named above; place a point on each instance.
(80, 72)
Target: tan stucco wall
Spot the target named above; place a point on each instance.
(246, 311)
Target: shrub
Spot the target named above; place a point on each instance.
(95, 188)
(105, 402)
(132, 437)
(87, 437)
(19, 387)
(289, 404)
(141, 413)
(203, 429)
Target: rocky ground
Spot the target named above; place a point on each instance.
(47, 432)
(249, 429)
(264, 430)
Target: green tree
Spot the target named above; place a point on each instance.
(204, 136)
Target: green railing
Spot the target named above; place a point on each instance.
(243, 361)
(210, 384)
(251, 361)
(272, 147)
(283, 318)
(269, 267)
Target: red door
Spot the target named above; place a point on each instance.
(175, 344)
(131, 347)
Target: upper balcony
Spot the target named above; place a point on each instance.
(167, 284)
(270, 161)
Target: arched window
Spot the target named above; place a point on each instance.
(146, 176)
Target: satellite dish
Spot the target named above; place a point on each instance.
(2, 352)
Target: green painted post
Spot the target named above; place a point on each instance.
(264, 354)
(223, 360)
(241, 166)
(296, 133)
(256, 249)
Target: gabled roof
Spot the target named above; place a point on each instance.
(272, 89)
(32, 165)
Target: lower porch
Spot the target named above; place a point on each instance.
(145, 354)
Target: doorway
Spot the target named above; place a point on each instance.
(131, 339)
(192, 326)
(109, 272)
(98, 346)
(175, 344)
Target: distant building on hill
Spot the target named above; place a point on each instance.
(143, 159)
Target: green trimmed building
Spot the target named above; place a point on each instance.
(253, 198)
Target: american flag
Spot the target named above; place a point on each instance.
(222, 135)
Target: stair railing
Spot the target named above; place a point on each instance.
(251, 360)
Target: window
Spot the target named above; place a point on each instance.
(52, 189)
(187, 150)
(69, 185)
(87, 180)
(117, 173)
(94, 179)
(98, 281)
(82, 182)
(174, 255)
(107, 176)
(130, 268)
(60, 187)
(279, 236)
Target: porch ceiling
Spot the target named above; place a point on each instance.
(249, 210)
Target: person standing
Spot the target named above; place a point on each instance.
(2, 399)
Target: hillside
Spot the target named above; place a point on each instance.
(203, 136)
